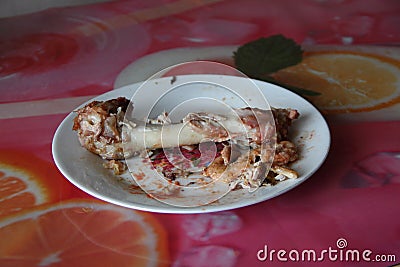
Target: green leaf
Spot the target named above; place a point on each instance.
(267, 55)
(259, 58)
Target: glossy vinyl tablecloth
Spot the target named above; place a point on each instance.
(54, 60)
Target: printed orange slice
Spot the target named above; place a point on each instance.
(27, 181)
(82, 233)
(349, 81)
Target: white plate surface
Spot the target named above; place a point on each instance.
(84, 169)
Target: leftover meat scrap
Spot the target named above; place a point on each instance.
(243, 155)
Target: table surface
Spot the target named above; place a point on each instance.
(54, 60)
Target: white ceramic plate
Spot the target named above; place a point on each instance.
(84, 169)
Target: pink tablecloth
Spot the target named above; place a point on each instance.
(54, 60)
